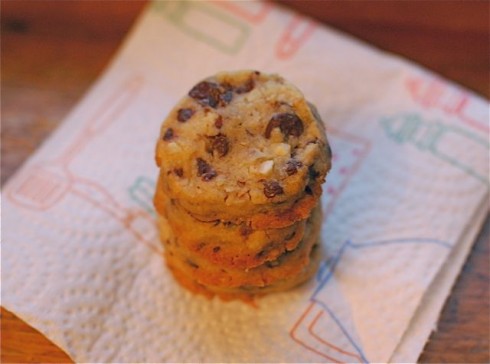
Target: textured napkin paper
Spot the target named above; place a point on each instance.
(403, 203)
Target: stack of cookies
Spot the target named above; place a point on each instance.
(242, 159)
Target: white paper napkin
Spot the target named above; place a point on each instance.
(403, 203)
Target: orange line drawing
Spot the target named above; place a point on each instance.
(253, 12)
(294, 334)
(433, 93)
(296, 33)
(323, 341)
(305, 328)
(43, 186)
(360, 149)
(137, 221)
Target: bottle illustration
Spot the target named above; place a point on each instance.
(206, 23)
(454, 145)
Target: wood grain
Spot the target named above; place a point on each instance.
(52, 51)
(449, 37)
(23, 344)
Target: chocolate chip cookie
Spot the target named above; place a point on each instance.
(241, 144)
(242, 159)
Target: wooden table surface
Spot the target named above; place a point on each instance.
(52, 52)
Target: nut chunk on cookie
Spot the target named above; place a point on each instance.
(242, 158)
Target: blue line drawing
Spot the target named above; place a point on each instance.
(342, 328)
(327, 270)
(141, 192)
(428, 136)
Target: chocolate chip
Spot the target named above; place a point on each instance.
(226, 97)
(272, 189)
(308, 190)
(289, 123)
(169, 134)
(273, 123)
(292, 166)
(184, 114)
(218, 122)
(205, 171)
(211, 94)
(313, 173)
(206, 93)
(246, 87)
(216, 249)
(219, 144)
(179, 172)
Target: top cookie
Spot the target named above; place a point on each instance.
(240, 143)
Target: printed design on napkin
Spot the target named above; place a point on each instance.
(307, 332)
(326, 327)
(142, 191)
(228, 30)
(324, 315)
(349, 152)
(438, 139)
(41, 187)
(431, 92)
(252, 11)
(206, 24)
(295, 33)
(372, 202)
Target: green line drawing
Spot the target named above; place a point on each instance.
(141, 192)
(205, 23)
(429, 136)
